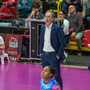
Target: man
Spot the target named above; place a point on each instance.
(86, 12)
(24, 7)
(35, 14)
(2, 47)
(76, 24)
(76, 3)
(52, 44)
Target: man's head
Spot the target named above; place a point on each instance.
(49, 17)
(71, 9)
(36, 7)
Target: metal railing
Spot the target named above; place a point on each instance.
(59, 7)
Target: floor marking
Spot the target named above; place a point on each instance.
(84, 67)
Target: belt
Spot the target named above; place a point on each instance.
(48, 52)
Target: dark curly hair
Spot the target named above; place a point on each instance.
(53, 70)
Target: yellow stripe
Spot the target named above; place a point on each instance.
(83, 67)
(71, 47)
(71, 42)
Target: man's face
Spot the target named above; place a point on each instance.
(72, 9)
(35, 10)
(48, 18)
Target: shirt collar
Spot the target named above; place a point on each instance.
(73, 13)
(49, 26)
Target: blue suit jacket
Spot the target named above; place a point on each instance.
(57, 40)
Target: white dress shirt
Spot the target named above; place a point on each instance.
(47, 43)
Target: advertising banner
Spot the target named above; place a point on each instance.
(13, 46)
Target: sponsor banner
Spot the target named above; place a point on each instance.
(13, 46)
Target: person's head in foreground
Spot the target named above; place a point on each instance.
(49, 17)
(47, 82)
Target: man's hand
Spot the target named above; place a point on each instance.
(40, 55)
(58, 57)
(83, 15)
(73, 35)
(32, 14)
(68, 1)
(19, 5)
(28, 19)
(74, 2)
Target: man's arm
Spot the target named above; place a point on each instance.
(2, 46)
(84, 10)
(29, 6)
(80, 23)
(19, 7)
(31, 15)
(62, 42)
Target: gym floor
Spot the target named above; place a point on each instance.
(26, 76)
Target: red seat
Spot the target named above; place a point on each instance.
(71, 39)
(86, 40)
(79, 12)
(69, 30)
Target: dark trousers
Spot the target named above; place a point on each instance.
(88, 22)
(50, 59)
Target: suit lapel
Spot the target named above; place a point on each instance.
(43, 32)
(52, 31)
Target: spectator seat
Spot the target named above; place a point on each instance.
(3, 56)
(86, 40)
(85, 43)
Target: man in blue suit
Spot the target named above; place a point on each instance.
(52, 44)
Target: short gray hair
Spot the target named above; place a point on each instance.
(48, 11)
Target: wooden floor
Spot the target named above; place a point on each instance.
(26, 76)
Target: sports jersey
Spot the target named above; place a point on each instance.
(51, 85)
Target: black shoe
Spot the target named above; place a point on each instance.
(79, 54)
